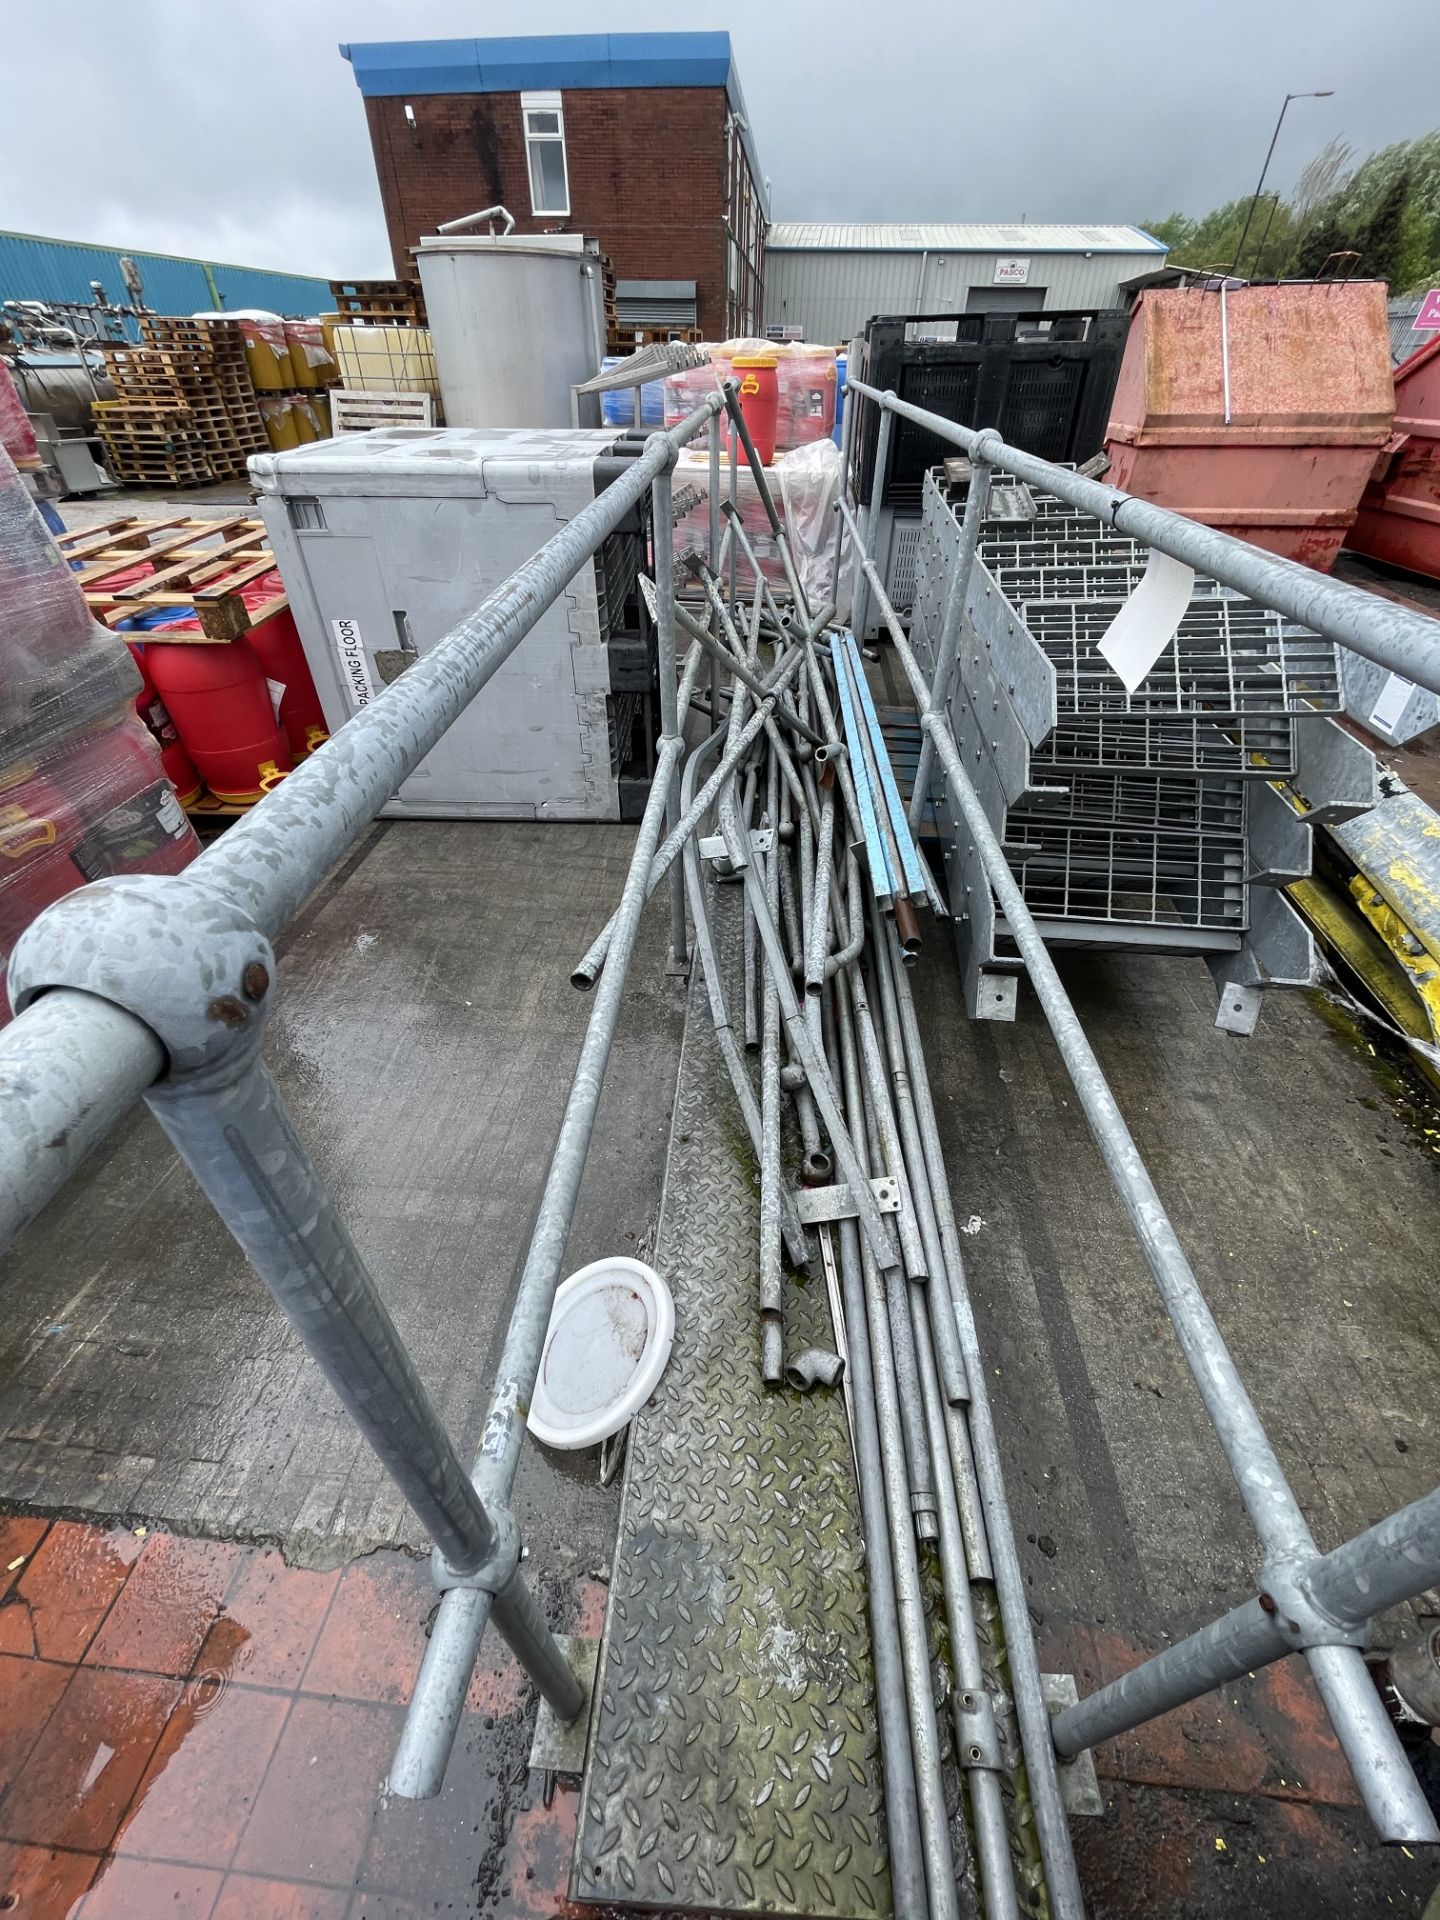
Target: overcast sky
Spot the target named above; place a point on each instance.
(237, 132)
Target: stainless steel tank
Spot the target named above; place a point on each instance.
(58, 384)
(517, 320)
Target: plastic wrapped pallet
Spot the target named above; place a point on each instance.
(807, 381)
(804, 484)
(83, 793)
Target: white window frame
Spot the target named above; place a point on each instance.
(532, 103)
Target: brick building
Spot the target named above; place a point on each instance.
(640, 139)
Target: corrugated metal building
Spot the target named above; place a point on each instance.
(831, 279)
(33, 267)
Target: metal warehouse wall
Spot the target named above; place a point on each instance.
(833, 294)
(34, 268)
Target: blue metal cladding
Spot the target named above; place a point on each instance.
(33, 267)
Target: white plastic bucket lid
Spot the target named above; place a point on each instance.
(611, 1330)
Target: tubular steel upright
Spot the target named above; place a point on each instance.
(1318, 1605)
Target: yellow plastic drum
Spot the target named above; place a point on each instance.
(279, 417)
(311, 360)
(267, 354)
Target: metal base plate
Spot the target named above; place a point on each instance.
(734, 1763)
(559, 1745)
(1079, 1782)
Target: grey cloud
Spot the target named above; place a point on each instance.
(239, 132)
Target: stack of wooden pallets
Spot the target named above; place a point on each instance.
(395, 303)
(185, 412)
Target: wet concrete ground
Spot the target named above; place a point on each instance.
(425, 1038)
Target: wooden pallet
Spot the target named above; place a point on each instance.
(185, 412)
(195, 563)
(391, 301)
(352, 412)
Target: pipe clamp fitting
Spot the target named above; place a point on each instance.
(1285, 1596)
(495, 1571)
(166, 948)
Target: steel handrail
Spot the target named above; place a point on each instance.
(1396, 637)
(1293, 1570)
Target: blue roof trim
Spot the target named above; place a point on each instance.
(541, 61)
(552, 62)
(1161, 246)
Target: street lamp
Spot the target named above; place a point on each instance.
(1322, 93)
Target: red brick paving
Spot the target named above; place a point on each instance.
(195, 1731)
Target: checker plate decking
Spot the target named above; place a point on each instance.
(734, 1761)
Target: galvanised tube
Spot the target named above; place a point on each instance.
(782, 543)
(587, 969)
(860, 610)
(71, 1066)
(756, 683)
(1268, 1499)
(1398, 1808)
(913, 1639)
(1371, 1747)
(772, 1305)
(818, 1074)
(942, 1300)
(947, 1340)
(980, 1769)
(998, 1538)
(434, 1711)
(499, 1455)
(902, 1814)
(1385, 631)
(279, 852)
(790, 1224)
(662, 536)
(231, 1128)
(1390, 1562)
(819, 943)
(1244, 1639)
(953, 620)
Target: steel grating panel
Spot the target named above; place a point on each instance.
(734, 1761)
(1230, 658)
(1128, 874)
(1261, 748)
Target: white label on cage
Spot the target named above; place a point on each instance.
(277, 694)
(1149, 619)
(354, 667)
(1386, 712)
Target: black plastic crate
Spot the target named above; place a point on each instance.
(1044, 380)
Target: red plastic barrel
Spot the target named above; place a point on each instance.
(760, 400)
(276, 644)
(220, 703)
(179, 767)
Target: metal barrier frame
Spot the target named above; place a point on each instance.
(160, 988)
(1317, 1604)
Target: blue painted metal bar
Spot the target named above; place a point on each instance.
(882, 879)
(914, 867)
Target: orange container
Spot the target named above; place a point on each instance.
(1399, 518)
(1259, 411)
(760, 400)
